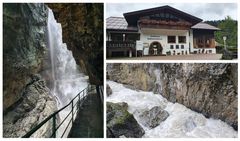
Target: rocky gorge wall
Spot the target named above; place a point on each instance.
(210, 89)
(26, 98)
(24, 45)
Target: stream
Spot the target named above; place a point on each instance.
(182, 121)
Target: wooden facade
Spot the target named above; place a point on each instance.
(203, 39)
(121, 44)
(164, 24)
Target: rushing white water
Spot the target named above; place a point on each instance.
(182, 122)
(68, 81)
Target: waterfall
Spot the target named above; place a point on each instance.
(67, 80)
(158, 84)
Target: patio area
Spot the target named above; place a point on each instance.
(174, 57)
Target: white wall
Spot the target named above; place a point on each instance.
(162, 39)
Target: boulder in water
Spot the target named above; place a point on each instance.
(121, 123)
(153, 117)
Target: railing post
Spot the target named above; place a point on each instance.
(54, 126)
(79, 99)
(72, 112)
(83, 93)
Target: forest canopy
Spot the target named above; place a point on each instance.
(228, 28)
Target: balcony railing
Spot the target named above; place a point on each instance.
(129, 44)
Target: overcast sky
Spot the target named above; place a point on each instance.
(205, 11)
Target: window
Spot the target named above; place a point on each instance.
(171, 47)
(182, 46)
(181, 39)
(177, 46)
(117, 37)
(171, 39)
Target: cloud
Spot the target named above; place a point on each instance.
(205, 11)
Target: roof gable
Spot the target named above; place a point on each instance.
(203, 25)
(119, 24)
(171, 13)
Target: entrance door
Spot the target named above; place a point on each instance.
(155, 48)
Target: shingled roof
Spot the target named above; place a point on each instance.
(119, 23)
(203, 25)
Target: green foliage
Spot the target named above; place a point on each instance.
(228, 28)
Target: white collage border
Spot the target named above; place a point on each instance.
(122, 61)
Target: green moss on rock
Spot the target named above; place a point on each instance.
(120, 122)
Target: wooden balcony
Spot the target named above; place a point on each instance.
(179, 25)
(121, 44)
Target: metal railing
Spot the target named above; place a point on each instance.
(81, 96)
(101, 94)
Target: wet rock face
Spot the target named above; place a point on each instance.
(154, 117)
(82, 26)
(24, 44)
(109, 90)
(37, 104)
(135, 75)
(210, 89)
(121, 123)
(206, 88)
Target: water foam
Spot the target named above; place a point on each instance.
(182, 121)
(68, 81)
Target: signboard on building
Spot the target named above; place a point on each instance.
(154, 37)
(139, 45)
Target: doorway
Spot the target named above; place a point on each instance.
(155, 48)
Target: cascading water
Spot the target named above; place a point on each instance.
(67, 80)
(182, 122)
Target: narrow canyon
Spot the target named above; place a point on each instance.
(172, 100)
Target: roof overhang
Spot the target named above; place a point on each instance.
(133, 17)
(204, 26)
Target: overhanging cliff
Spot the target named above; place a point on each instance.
(82, 25)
